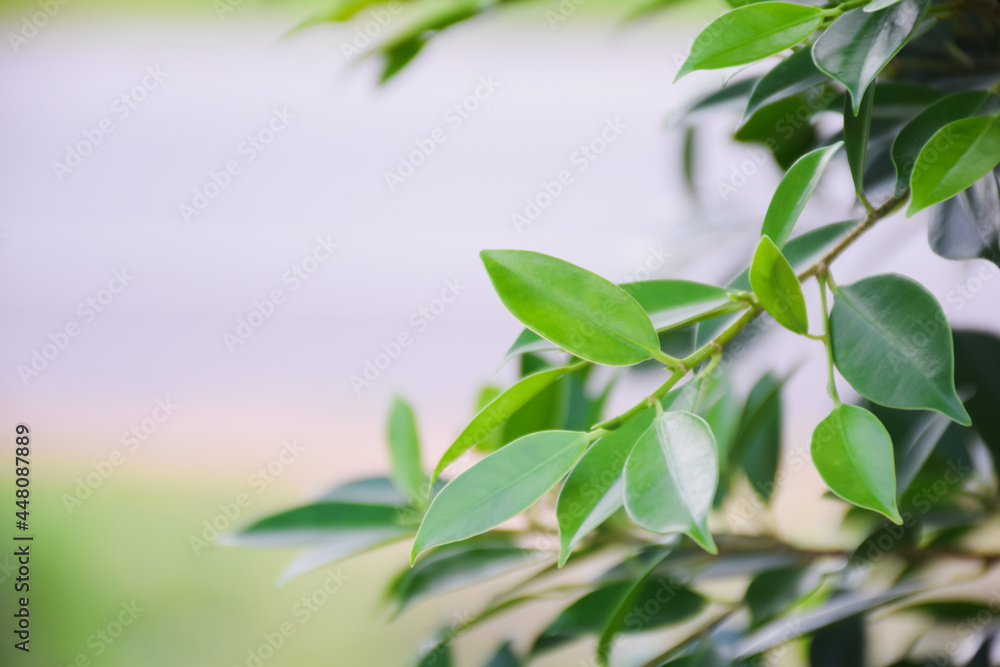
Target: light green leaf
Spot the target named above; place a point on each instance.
(794, 74)
(855, 48)
(751, 33)
(876, 5)
(497, 412)
(892, 342)
(341, 546)
(958, 155)
(593, 491)
(853, 454)
(670, 304)
(404, 450)
(577, 310)
(499, 487)
(794, 191)
(916, 133)
(777, 287)
(671, 476)
(857, 127)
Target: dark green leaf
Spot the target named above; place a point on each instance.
(977, 358)
(448, 570)
(853, 454)
(892, 342)
(841, 643)
(773, 591)
(751, 33)
(794, 74)
(855, 48)
(319, 523)
(499, 487)
(758, 440)
(856, 132)
(505, 657)
(572, 307)
(967, 226)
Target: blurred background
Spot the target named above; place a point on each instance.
(213, 234)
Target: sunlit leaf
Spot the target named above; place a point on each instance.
(794, 191)
(777, 287)
(955, 157)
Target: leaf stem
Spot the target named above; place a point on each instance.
(821, 278)
(716, 345)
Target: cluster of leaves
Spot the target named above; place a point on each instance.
(647, 492)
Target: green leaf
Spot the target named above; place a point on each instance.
(876, 5)
(758, 439)
(892, 343)
(772, 592)
(497, 412)
(318, 523)
(453, 569)
(853, 454)
(499, 487)
(654, 600)
(841, 643)
(855, 48)
(794, 191)
(404, 450)
(784, 630)
(977, 357)
(671, 476)
(670, 304)
(794, 74)
(588, 615)
(505, 657)
(798, 251)
(777, 287)
(439, 655)
(954, 158)
(341, 546)
(857, 127)
(785, 127)
(916, 133)
(367, 491)
(968, 226)
(577, 310)
(751, 33)
(593, 490)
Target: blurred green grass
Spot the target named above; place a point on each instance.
(130, 542)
